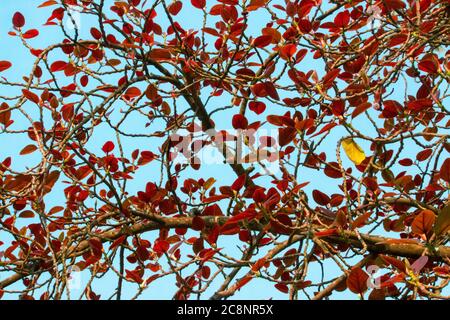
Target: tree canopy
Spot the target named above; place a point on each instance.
(210, 146)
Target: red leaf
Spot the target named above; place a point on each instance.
(67, 111)
(239, 182)
(142, 253)
(443, 221)
(329, 77)
(361, 220)
(249, 215)
(338, 107)
(28, 149)
(320, 197)
(398, 264)
(206, 272)
(257, 106)
(30, 96)
(175, 7)
(242, 282)
(419, 104)
(215, 198)
(5, 114)
(199, 4)
(132, 92)
(96, 33)
(133, 276)
(394, 4)
(259, 90)
(342, 19)
(36, 52)
(423, 222)
(332, 170)
(207, 254)
(326, 128)
(31, 34)
(4, 65)
(47, 3)
(397, 40)
(275, 120)
(406, 162)
(18, 20)
(256, 4)
(304, 124)
(326, 233)
(198, 224)
(265, 89)
(108, 147)
(84, 80)
(286, 135)
(288, 51)
(391, 108)
(214, 235)
(271, 91)
(239, 122)
(147, 156)
(160, 54)
(357, 280)
(96, 247)
(118, 242)
(262, 41)
(392, 281)
(361, 108)
(217, 9)
(424, 154)
(282, 287)
(301, 54)
(429, 64)
(58, 66)
(161, 246)
(445, 170)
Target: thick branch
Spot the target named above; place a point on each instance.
(375, 244)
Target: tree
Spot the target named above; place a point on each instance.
(326, 122)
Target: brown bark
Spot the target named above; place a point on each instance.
(375, 244)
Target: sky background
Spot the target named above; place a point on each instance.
(10, 49)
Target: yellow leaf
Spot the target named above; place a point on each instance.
(353, 151)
